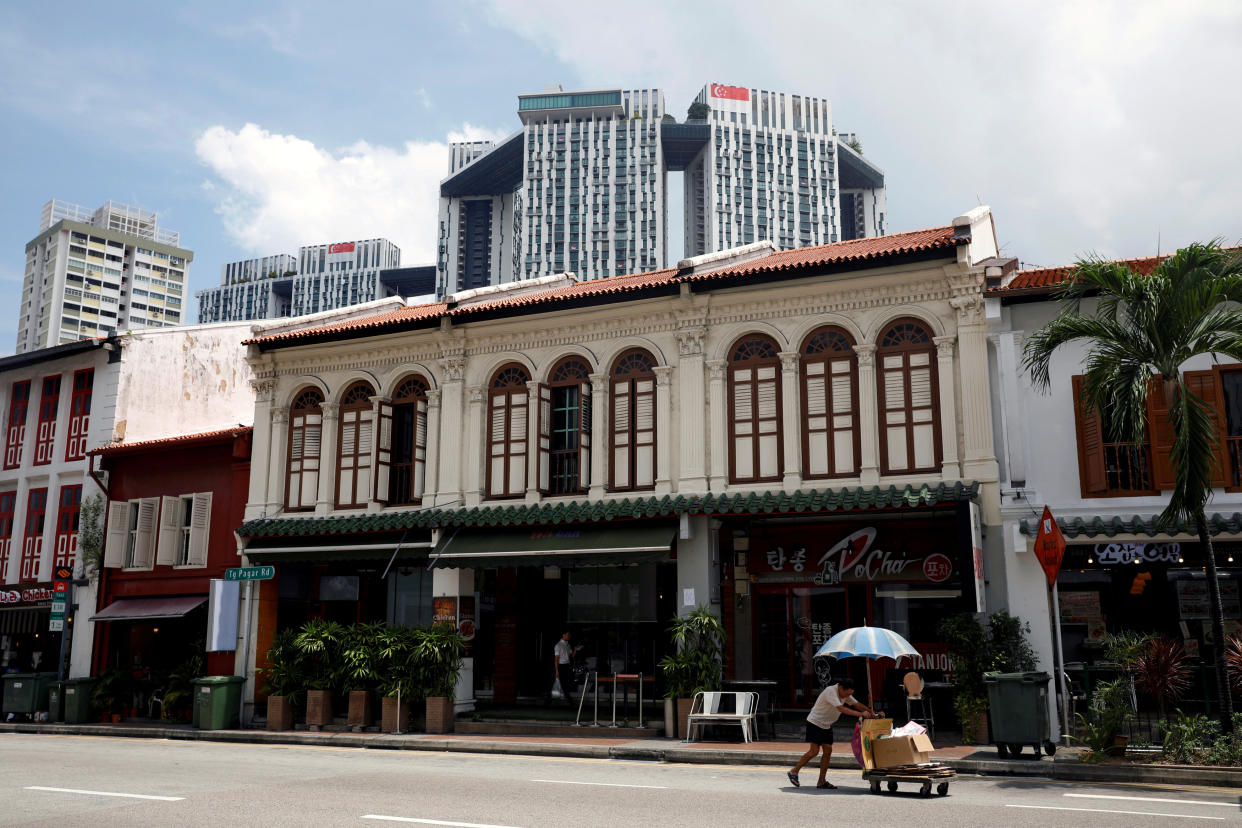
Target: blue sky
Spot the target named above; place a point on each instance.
(253, 127)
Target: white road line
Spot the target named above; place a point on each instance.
(600, 784)
(1107, 811)
(1155, 799)
(106, 793)
(431, 821)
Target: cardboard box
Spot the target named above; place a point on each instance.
(870, 731)
(901, 750)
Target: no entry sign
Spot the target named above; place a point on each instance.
(1049, 546)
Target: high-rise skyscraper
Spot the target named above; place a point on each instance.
(91, 272)
(581, 187)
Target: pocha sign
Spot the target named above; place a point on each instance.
(906, 553)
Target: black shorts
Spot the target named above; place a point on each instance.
(817, 735)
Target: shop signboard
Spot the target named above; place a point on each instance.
(1049, 546)
(916, 551)
(444, 609)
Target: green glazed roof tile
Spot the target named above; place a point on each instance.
(1112, 525)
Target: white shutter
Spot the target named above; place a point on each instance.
(644, 433)
(200, 528)
(498, 447)
(169, 543)
(308, 491)
(420, 450)
(518, 438)
(144, 543)
(620, 400)
(383, 453)
(584, 436)
(118, 533)
(545, 439)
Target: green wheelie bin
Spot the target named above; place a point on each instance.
(1018, 712)
(76, 699)
(26, 692)
(216, 701)
(56, 701)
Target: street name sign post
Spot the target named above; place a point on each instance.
(250, 573)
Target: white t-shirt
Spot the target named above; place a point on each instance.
(824, 714)
(562, 651)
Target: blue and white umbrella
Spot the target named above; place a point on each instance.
(867, 642)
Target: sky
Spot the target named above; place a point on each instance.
(1090, 128)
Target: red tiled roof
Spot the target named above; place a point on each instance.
(1045, 279)
(180, 440)
(857, 250)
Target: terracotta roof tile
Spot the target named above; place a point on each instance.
(173, 442)
(1046, 279)
(609, 286)
(396, 317)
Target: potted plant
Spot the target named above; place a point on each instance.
(107, 693)
(1161, 671)
(438, 651)
(398, 681)
(968, 648)
(284, 679)
(360, 658)
(698, 641)
(320, 643)
(178, 688)
(1102, 726)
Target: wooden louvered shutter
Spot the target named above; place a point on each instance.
(383, 453)
(200, 528)
(644, 433)
(1160, 435)
(743, 407)
(768, 421)
(1091, 467)
(1206, 386)
(545, 438)
(498, 445)
(118, 534)
(584, 435)
(419, 484)
(622, 404)
(169, 542)
(312, 429)
(145, 539)
(518, 406)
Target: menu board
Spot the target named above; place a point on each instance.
(1079, 607)
(1193, 603)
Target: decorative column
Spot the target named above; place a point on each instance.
(717, 425)
(532, 442)
(432, 463)
(979, 463)
(691, 436)
(950, 467)
(791, 421)
(1007, 345)
(328, 440)
(257, 500)
(273, 495)
(868, 417)
(377, 438)
(600, 459)
(475, 476)
(451, 466)
(664, 429)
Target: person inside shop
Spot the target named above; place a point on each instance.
(562, 661)
(832, 702)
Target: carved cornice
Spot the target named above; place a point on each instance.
(789, 360)
(280, 416)
(264, 389)
(477, 393)
(716, 369)
(664, 375)
(690, 340)
(330, 410)
(866, 355)
(969, 307)
(945, 346)
(433, 398)
(454, 367)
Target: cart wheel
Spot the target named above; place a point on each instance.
(1049, 748)
(1002, 750)
(925, 790)
(892, 786)
(875, 786)
(1015, 750)
(942, 789)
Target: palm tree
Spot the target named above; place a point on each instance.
(1146, 327)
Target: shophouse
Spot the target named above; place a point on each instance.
(1120, 572)
(173, 504)
(799, 440)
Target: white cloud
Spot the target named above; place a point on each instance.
(277, 192)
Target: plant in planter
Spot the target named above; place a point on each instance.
(178, 687)
(360, 660)
(108, 693)
(1002, 646)
(398, 677)
(438, 651)
(320, 642)
(1161, 672)
(1102, 726)
(698, 639)
(285, 678)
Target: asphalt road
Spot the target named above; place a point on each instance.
(107, 781)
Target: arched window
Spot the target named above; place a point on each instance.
(755, 411)
(633, 421)
(506, 441)
(357, 431)
(909, 403)
(565, 428)
(305, 427)
(403, 443)
(830, 437)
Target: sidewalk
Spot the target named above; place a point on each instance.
(595, 743)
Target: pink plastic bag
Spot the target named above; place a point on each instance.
(856, 742)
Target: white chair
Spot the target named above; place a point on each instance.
(706, 709)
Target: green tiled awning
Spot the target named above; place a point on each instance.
(1110, 526)
(568, 546)
(813, 501)
(341, 548)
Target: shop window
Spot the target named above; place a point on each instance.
(305, 431)
(49, 401)
(755, 439)
(565, 429)
(632, 422)
(130, 539)
(830, 433)
(67, 526)
(79, 413)
(32, 543)
(909, 403)
(506, 441)
(401, 470)
(8, 504)
(184, 525)
(1108, 467)
(19, 402)
(356, 433)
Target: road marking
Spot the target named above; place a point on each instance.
(1156, 799)
(600, 784)
(432, 821)
(105, 793)
(1107, 811)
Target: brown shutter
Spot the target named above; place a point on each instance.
(1206, 386)
(1090, 444)
(383, 453)
(1160, 435)
(622, 407)
(545, 439)
(584, 436)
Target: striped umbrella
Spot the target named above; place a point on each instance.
(867, 642)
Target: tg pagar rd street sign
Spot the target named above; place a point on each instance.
(250, 573)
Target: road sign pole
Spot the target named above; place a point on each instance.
(1065, 696)
(65, 632)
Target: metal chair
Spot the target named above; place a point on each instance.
(913, 684)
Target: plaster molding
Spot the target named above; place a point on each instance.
(477, 393)
(945, 346)
(716, 368)
(690, 340)
(866, 355)
(790, 361)
(664, 375)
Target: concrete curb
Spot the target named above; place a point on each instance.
(1067, 770)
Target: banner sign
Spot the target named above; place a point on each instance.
(905, 552)
(343, 247)
(733, 93)
(1049, 546)
(28, 595)
(1109, 554)
(444, 609)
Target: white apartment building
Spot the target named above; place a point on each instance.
(89, 273)
(249, 289)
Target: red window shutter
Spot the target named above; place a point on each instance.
(1160, 435)
(1090, 444)
(1206, 386)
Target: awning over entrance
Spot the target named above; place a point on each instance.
(555, 546)
(145, 609)
(331, 549)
